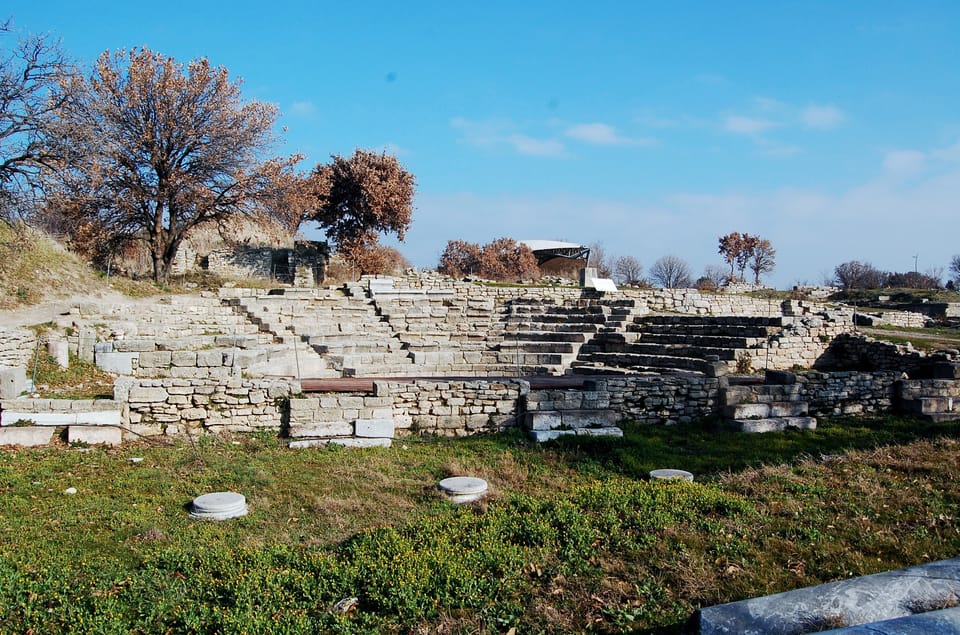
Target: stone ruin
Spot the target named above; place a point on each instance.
(364, 363)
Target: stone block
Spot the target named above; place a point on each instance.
(59, 350)
(322, 429)
(543, 420)
(353, 442)
(367, 428)
(588, 418)
(13, 381)
(862, 600)
(154, 359)
(11, 417)
(541, 436)
(99, 418)
(119, 363)
(183, 358)
(145, 394)
(95, 435)
(134, 346)
(26, 436)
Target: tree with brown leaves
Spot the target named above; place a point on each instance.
(460, 258)
(506, 259)
(157, 148)
(357, 198)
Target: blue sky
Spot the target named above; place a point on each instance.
(830, 128)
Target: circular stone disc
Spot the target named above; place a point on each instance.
(670, 475)
(219, 506)
(463, 485)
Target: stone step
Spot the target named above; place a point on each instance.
(542, 436)
(539, 348)
(767, 410)
(932, 405)
(569, 419)
(631, 360)
(775, 424)
(762, 393)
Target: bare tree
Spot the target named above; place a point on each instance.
(716, 275)
(34, 83)
(859, 275)
(628, 270)
(600, 261)
(762, 258)
(955, 268)
(671, 272)
(358, 198)
(157, 148)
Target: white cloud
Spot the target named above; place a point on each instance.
(602, 134)
(950, 153)
(822, 117)
(493, 133)
(739, 124)
(904, 162)
(303, 108)
(536, 147)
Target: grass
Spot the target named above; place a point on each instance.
(571, 539)
(80, 380)
(926, 339)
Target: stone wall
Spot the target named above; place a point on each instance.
(178, 406)
(16, 346)
(858, 352)
(649, 399)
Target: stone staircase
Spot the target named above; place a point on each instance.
(676, 343)
(546, 338)
(766, 408)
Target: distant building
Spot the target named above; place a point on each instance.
(558, 258)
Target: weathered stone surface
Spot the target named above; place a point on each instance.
(147, 394)
(119, 363)
(463, 489)
(99, 418)
(10, 417)
(13, 382)
(26, 436)
(862, 600)
(374, 428)
(942, 622)
(353, 442)
(322, 429)
(95, 435)
(668, 474)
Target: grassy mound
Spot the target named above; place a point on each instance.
(34, 267)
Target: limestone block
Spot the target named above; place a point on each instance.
(26, 436)
(95, 435)
(145, 394)
(183, 358)
(134, 346)
(861, 600)
(10, 417)
(154, 359)
(543, 420)
(374, 428)
(59, 350)
(353, 442)
(99, 418)
(322, 429)
(13, 382)
(119, 363)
